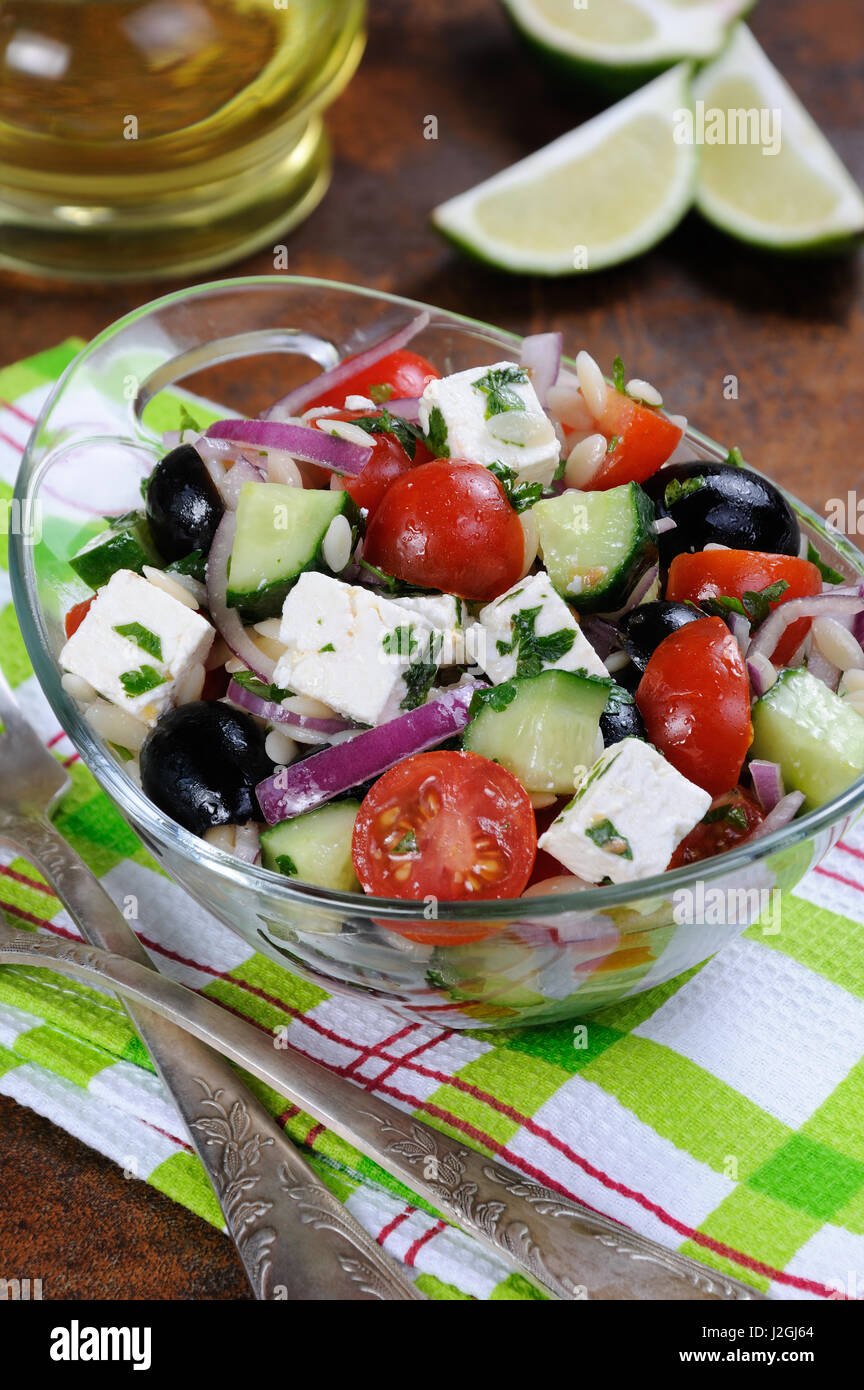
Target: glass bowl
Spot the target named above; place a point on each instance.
(481, 965)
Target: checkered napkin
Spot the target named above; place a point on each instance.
(721, 1114)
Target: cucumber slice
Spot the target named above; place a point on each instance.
(126, 545)
(280, 532)
(541, 728)
(596, 544)
(315, 847)
(817, 739)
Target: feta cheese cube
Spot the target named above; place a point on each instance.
(358, 652)
(492, 414)
(498, 630)
(447, 615)
(630, 814)
(136, 645)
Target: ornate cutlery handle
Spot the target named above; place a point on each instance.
(294, 1237)
(560, 1246)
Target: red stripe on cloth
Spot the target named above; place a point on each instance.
(371, 1082)
(413, 1250)
(394, 1225)
(45, 888)
(56, 738)
(850, 849)
(13, 443)
(18, 412)
(839, 878)
(73, 758)
(368, 1050)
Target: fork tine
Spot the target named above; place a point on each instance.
(31, 778)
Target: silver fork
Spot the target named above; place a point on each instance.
(295, 1239)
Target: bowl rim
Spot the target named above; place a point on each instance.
(151, 823)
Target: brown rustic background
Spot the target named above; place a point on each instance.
(696, 309)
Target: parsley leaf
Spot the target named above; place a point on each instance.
(406, 845)
(187, 421)
(755, 604)
(390, 584)
(521, 496)
(677, 490)
(193, 564)
(247, 681)
(139, 682)
(498, 386)
(436, 434)
(735, 457)
(619, 376)
(400, 642)
(148, 641)
(385, 423)
(735, 815)
(613, 443)
(605, 836)
(494, 697)
(381, 392)
(618, 696)
(534, 652)
(420, 674)
(830, 576)
(328, 648)
(285, 864)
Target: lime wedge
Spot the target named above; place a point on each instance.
(800, 197)
(596, 196)
(621, 43)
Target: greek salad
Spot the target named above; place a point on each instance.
(466, 635)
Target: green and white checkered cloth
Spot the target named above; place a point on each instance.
(721, 1114)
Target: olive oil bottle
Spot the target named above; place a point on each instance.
(147, 138)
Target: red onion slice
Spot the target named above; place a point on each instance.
(767, 783)
(296, 401)
(541, 357)
(761, 671)
(740, 629)
(785, 811)
(304, 442)
(226, 620)
(823, 669)
(277, 714)
(316, 779)
(230, 483)
(407, 408)
(819, 606)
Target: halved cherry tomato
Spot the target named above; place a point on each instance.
(643, 441)
(448, 525)
(388, 460)
(445, 825)
(695, 700)
(77, 614)
(710, 573)
(732, 818)
(406, 373)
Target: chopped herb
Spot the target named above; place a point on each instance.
(247, 681)
(735, 457)
(194, 564)
(533, 652)
(498, 385)
(735, 815)
(436, 434)
(123, 754)
(560, 470)
(328, 648)
(400, 642)
(677, 490)
(830, 576)
(381, 392)
(618, 696)
(406, 845)
(385, 423)
(148, 641)
(619, 376)
(754, 604)
(392, 585)
(139, 682)
(285, 864)
(420, 674)
(605, 836)
(521, 496)
(613, 443)
(494, 697)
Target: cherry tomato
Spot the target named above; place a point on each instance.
(448, 525)
(405, 373)
(695, 700)
(388, 460)
(710, 573)
(732, 818)
(642, 439)
(77, 614)
(452, 826)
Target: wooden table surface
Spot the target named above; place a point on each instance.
(696, 310)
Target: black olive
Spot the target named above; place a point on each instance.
(645, 626)
(720, 502)
(183, 504)
(201, 763)
(621, 717)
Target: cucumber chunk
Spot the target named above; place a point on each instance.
(596, 544)
(315, 847)
(817, 739)
(126, 545)
(541, 728)
(280, 533)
